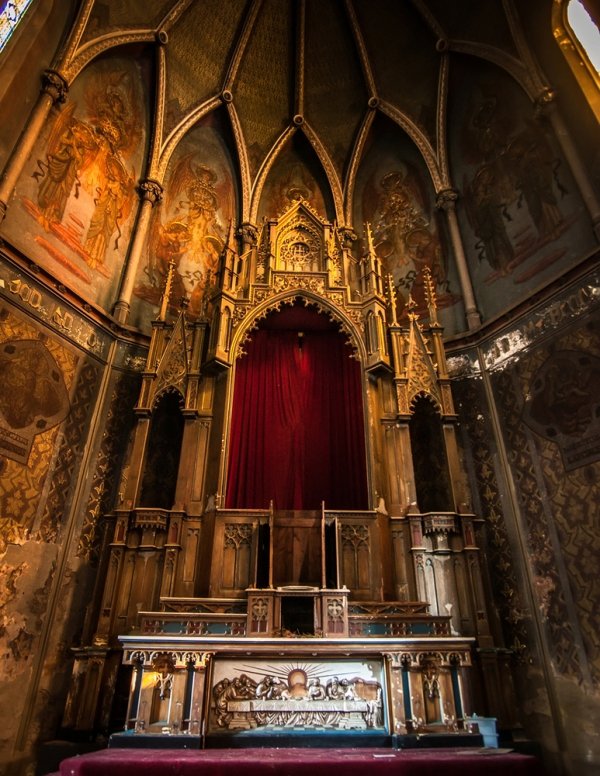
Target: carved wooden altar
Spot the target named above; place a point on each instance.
(205, 604)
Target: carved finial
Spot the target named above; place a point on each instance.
(164, 302)
(370, 243)
(411, 306)
(393, 298)
(430, 295)
(231, 237)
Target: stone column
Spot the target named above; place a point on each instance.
(150, 192)
(446, 201)
(546, 106)
(54, 90)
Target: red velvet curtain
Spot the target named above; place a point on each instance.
(297, 430)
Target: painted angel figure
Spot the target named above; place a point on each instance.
(71, 148)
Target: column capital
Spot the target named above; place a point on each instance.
(249, 233)
(446, 199)
(55, 86)
(150, 191)
(348, 236)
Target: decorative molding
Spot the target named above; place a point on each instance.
(362, 50)
(330, 171)
(265, 169)
(89, 51)
(240, 144)
(419, 138)
(170, 143)
(501, 59)
(442, 104)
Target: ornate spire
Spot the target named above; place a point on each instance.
(430, 295)
(231, 237)
(392, 298)
(370, 242)
(164, 302)
(411, 306)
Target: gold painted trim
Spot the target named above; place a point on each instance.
(419, 139)
(244, 166)
(355, 160)
(330, 171)
(159, 113)
(181, 129)
(576, 58)
(442, 119)
(241, 45)
(527, 80)
(362, 50)
(98, 46)
(265, 169)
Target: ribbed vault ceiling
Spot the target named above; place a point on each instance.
(323, 69)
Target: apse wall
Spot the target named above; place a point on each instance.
(70, 374)
(528, 404)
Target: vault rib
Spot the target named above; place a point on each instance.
(362, 52)
(241, 45)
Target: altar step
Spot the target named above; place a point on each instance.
(302, 739)
(303, 762)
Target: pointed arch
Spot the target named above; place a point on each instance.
(352, 329)
(293, 170)
(355, 159)
(419, 139)
(297, 430)
(585, 73)
(430, 460)
(93, 48)
(526, 80)
(265, 168)
(163, 451)
(170, 144)
(329, 168)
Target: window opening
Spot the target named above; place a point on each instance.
(11, 13)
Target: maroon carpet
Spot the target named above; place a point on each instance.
(300, 762)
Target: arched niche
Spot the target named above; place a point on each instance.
(430, 462)
(77, 198)
(522, 220)
(394, 193)
(190, 225)
(297, 434)
(296, 173)
(163, 451)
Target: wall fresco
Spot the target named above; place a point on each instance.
(522, 219)
(48, 388)
(24, 471)
(76, 200)
(296, 174)
(394, 194)
(190, 226)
